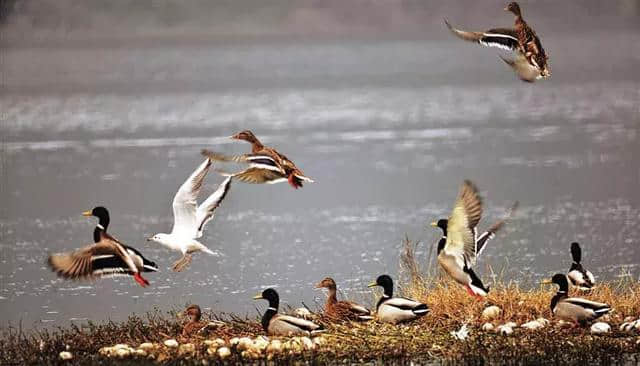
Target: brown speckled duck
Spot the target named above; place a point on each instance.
(341, 310)
(529, 59)
(266, 165)
(194, 325)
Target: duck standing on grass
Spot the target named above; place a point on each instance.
(266, 165)
(457, 249)
(579, 277)
(341, 310)
(574, 309)
(396, 310)
(105, 258)
(189, 219)
(284, 325)
(529, 60)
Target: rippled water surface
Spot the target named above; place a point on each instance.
(388, 143)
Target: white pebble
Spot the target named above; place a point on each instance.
(600, 328)
(491, 312)
(224, 352)
(171, 343)
(64, 355)
(533, 325)
(487, 327)
(505, 330)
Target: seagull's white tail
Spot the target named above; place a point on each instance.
(202, 248)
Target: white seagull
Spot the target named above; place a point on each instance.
(189, 219)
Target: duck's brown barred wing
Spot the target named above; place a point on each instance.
(79, 263)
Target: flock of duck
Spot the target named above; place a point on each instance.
(457, 249)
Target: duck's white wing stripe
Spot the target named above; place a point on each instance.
(205, 211)
(299, 322)
(184, 202)
(263, 162)
(401, 302)
(587, 303)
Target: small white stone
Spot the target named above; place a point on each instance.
(543, 321)
(64, 355)
(491, 312)
(123, 352)
(533, 325)
(171, 343)
(146, 346)
(511, 324)
(600, 328)
(244, 343)
(224, 352)
(505, 330)
(487, 327)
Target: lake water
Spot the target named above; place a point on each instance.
(387, 128)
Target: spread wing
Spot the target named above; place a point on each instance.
(79, 264)
(485, 237)
(259, 176)
(184, 202)
(204, 212)
(504, 38)
(262, 161)
(462, 222)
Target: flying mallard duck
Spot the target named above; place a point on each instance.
(482, 239)
(574, 309)
(579, 277)
(284, 325)
(266, 165)
(189, 219)
(396, 310)
(105, 258)
(458, 248)
(529, 58)
(341, 310)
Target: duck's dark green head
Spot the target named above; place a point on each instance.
(270, 295)
(513, 7)
(385, 282)
(99, 212)
(560, 280)
(442, 224)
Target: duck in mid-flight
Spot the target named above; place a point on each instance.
(106, 257)
(529, 60)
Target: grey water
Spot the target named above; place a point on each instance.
(388, 127)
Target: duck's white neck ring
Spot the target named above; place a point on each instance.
(444, 236)
(386, 296)
(562, 292)
(272, 308)
(100, 226)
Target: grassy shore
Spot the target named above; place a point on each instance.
(427, 340)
